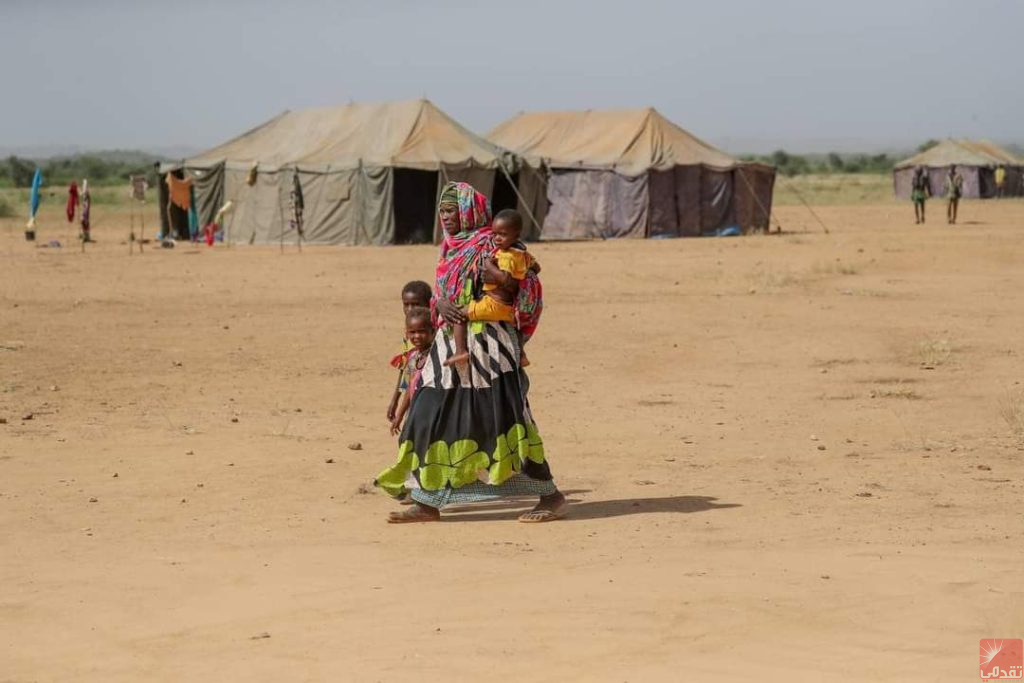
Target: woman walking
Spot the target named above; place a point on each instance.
(470, 435)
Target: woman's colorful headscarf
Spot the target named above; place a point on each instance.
(463, 255)
(450, 194)
(529, 304)
(474, 207)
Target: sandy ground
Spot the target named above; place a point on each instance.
(788, 459)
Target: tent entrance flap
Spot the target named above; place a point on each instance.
(415, 194)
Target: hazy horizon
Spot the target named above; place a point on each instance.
(747, 76)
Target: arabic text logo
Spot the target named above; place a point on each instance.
(1002, 658)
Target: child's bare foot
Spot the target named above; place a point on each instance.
(417, 512)
(460, 359)
(523, 360)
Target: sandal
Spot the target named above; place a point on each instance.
(415, 513)
(546, 511)
(540, 516)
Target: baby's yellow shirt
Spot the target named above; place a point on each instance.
(514, 262)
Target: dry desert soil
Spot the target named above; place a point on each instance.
(789, 457)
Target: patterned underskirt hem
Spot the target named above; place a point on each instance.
(478, 492)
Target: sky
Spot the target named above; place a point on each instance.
(748, 75)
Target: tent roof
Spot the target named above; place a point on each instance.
(409, 134)
(961, 153)
(630, 141)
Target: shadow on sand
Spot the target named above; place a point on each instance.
(586, 509)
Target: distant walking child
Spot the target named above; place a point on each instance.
(415, 294)
(1000, 181)
(920, 190)
(419, 332)
(954, 187)
(498, 303)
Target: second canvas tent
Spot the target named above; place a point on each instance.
(630, 173)
(976, 161)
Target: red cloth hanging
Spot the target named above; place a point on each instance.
(180, 191)
(72, 201)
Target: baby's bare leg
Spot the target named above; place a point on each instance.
(461, 356)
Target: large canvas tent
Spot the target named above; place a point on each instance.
(976, 160)
(630, 173)
(370, 173)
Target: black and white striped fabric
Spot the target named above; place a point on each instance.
(493, 352)
(471, 425)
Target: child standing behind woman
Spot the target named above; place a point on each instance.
(415, 294)
(419, 332)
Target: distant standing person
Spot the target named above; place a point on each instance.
(1000, 181)
(954, 190)
(920, 190)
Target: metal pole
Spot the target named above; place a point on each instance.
(131, 229)
(804, 202)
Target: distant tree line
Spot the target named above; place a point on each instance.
(113, 168)
(18, 172)
(833, 162)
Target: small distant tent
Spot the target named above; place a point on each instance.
(975, 160)
(630, 173)
(369, 174)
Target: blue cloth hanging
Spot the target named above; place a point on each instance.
(193, 215)
(33, 197)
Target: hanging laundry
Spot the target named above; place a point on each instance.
(33, 205)
(298, 204)
(72, 206)
(138, 187)
(193, 214)
(86, 200)
(224, 210)
(180, 191)
(210, 233)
